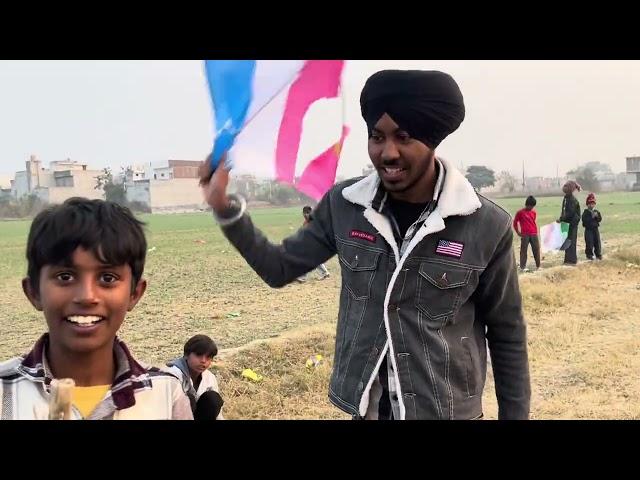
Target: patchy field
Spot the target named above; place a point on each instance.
(583, 322)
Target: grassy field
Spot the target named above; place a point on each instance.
(583, 329)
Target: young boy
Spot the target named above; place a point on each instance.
(322, 269)
(524, 223)
(85, 263)
(198, 382)
(591, 219)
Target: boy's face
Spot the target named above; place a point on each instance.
(591, 205)
(84, 302)
(198, 363)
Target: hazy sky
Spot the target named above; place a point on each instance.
(110, 113)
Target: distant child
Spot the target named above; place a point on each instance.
(591, 219)
(85, 262)
(525, 226)
(198, 382)
(322, 269)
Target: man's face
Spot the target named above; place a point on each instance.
(306, 215)
(84, 301)
(566, 189)
(198, 363)
(401, 161)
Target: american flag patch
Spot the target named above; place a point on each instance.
(449, 248)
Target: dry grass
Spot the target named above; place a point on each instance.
(583, 322)
(289, 390)
(584, 347)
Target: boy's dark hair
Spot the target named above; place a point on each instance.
(530, 201)
(201, 345)
(306, 209)
(110, 231)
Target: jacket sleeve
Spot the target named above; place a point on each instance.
(298, 254)
(499, 306)
(181, 409)
(516, 220)
(565, 213)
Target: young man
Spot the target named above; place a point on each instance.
(571, 214)
(591, 219)
(428, 270)
(524, 223)
(85, 263)
(198, 382)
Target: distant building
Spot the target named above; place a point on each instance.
(5, 187)
(625, 181)
(606, 181)
(633, 167)
(170, 185)
(543, 184)
(63, 179)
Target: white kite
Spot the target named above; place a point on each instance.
(553, 236)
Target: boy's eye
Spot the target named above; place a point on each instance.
(108, 278)
(403, 136)
(64, 276)
(376, 138)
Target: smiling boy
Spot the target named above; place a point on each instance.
(85, 264)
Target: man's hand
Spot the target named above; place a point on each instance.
(214, 184)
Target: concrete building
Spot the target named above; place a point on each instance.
(633, 168)
(63, 179)
(166, 186)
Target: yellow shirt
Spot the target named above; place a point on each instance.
(87, 398)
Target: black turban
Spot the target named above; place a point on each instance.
(427, 104)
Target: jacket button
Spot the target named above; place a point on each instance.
(360, 387)
(374, 352)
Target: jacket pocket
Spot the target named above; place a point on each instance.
(359, 268)
(472, 363)
(439, 290)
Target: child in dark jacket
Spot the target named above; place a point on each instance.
(591, 219)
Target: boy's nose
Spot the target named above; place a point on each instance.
(86, 293)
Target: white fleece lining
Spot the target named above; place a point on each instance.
(382, 225)
(458, 198)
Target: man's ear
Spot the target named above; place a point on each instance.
(137, 294)
(31, 294)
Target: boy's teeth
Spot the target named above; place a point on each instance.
(83, 320)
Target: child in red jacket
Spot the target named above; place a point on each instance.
(524, 223)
